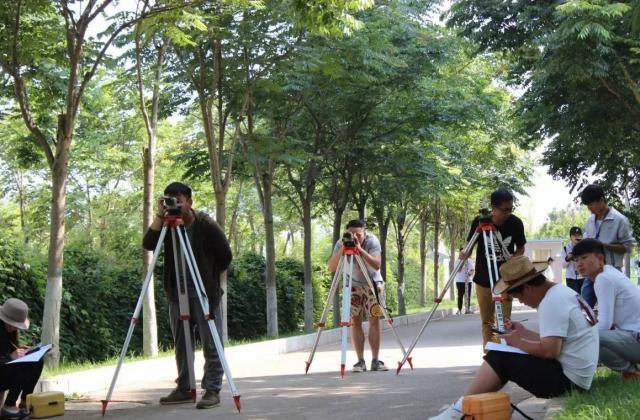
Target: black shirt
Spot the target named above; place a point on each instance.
(511, 233)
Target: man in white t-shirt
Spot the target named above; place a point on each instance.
(464, 284)
(561, 357)
(619, 309)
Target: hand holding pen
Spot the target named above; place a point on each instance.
(19, 351)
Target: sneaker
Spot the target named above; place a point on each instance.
(177, 396)
(631, 376)
(361, 366)
(209, 399)
(13, 414)
(378, 365)
(449, 414)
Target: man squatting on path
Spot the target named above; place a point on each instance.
(561, 357)
(619, 309)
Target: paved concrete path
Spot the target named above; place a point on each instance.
(275, 387)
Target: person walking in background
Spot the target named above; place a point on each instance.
(464, 284)
(610, 227)
(573, 278)
(19, 378)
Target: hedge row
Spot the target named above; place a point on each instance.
(100, 294)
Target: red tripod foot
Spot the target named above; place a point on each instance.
(306, 369)
(193, 395)
(409, 359)
(342, 371)
(236, 400)
(104, 406)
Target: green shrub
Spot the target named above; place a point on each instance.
(19, 279)
(247, 296)
(98, 300)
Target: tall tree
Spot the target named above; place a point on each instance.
(46, 51)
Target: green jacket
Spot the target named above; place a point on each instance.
(211, 250)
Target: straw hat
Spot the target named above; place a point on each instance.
(517, 271)
(14, 312)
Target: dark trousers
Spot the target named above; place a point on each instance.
(588, 293)
(19, 379)
(461, 292)
(575, 284)
(212, 378)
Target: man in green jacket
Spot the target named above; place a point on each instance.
(213, 255)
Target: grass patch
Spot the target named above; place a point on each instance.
(609, 398)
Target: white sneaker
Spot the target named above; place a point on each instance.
(449, 414)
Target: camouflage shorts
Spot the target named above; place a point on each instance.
(363, 300)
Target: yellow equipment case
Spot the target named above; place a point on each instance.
(45, 404)
(487, 406)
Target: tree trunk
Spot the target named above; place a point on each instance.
(221, 199)
(400, 243)
(337, 230)
(150, 325)
(452, 251)
(308, 280)
(423, 258)
(270, 278)
(53, 292)
(436, 245)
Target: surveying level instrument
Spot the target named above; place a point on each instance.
(350, 255)
(487, 229)
(184, 259)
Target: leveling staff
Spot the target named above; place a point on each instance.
(213, 255)
(510, 231)
(362, 297)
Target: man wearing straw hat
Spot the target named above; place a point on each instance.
(561, 357)
(20, 379)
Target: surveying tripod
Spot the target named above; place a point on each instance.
(487, 230)
(350, 253)
(184, 259)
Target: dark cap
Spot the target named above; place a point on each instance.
(575, 230)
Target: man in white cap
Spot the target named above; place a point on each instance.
(561, 357)
(20, 379)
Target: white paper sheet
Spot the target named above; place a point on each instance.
(503, 347)
(33, 357)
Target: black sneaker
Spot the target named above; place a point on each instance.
(209, 399)
(361, 366)
(378, 365)
(177, 396)
(14, 414)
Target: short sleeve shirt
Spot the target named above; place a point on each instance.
(613, 229)
(371, 244)
(560, 315)
(511, 233)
